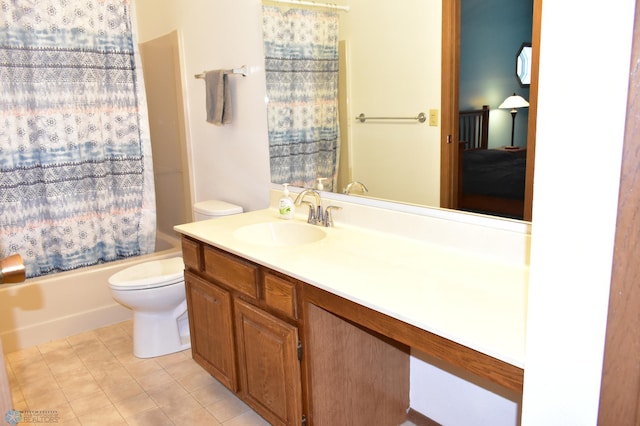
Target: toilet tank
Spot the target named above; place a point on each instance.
(212, 209)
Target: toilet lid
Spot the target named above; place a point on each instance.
(157, 273)
(216, 208)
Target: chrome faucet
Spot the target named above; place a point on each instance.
(315, 210)
(316, 214)
(347, 189)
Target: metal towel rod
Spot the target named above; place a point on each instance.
(422, 117)
(242, 70)
(313, 3)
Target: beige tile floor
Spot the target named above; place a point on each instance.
(94, 379)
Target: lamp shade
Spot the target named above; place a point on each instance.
(514, 101)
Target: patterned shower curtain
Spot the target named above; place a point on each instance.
(76, 182)
(301, 63)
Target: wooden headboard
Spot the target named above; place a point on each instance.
(474, 128)
(476, 182)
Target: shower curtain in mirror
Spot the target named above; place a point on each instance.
(76, 182)
(301, 60)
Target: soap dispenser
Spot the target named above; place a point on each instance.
(286, 208)
(320, 185)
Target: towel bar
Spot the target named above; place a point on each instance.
(422, 117)
(314, 4)
(242, 70)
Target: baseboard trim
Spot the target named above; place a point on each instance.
(420, 419)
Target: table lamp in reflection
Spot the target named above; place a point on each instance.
(513, 102)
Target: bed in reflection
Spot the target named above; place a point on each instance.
(490, 181)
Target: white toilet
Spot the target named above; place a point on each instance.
(155, 292)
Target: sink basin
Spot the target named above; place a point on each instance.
(280, 234)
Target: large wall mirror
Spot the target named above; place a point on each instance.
(389, 65)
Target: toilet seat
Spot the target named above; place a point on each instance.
(148, 275)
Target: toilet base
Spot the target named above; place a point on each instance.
(155, 335)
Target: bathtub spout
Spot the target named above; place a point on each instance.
(12, 269)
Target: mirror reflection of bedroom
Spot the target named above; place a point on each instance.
(495, 40)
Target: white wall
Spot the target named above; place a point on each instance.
(227, 162)
(392, 49)
(452, 396)
(578, 156)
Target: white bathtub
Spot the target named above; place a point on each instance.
(63, 304)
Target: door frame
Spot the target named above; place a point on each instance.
(620, 387)
(450, 92)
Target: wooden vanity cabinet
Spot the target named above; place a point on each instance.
(210, 319)
(269, 364)
(352, 367)
(211, 328)
(243, 320)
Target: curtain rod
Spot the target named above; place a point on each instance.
(312, 3)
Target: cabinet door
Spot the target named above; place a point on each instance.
(210, 323)
(269, 365)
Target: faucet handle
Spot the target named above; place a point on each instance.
(312, 212)
(328, 217)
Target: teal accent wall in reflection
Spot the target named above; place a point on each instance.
(491, 34)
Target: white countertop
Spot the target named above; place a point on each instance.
(466, 298)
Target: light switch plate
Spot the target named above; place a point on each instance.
(433, 117)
